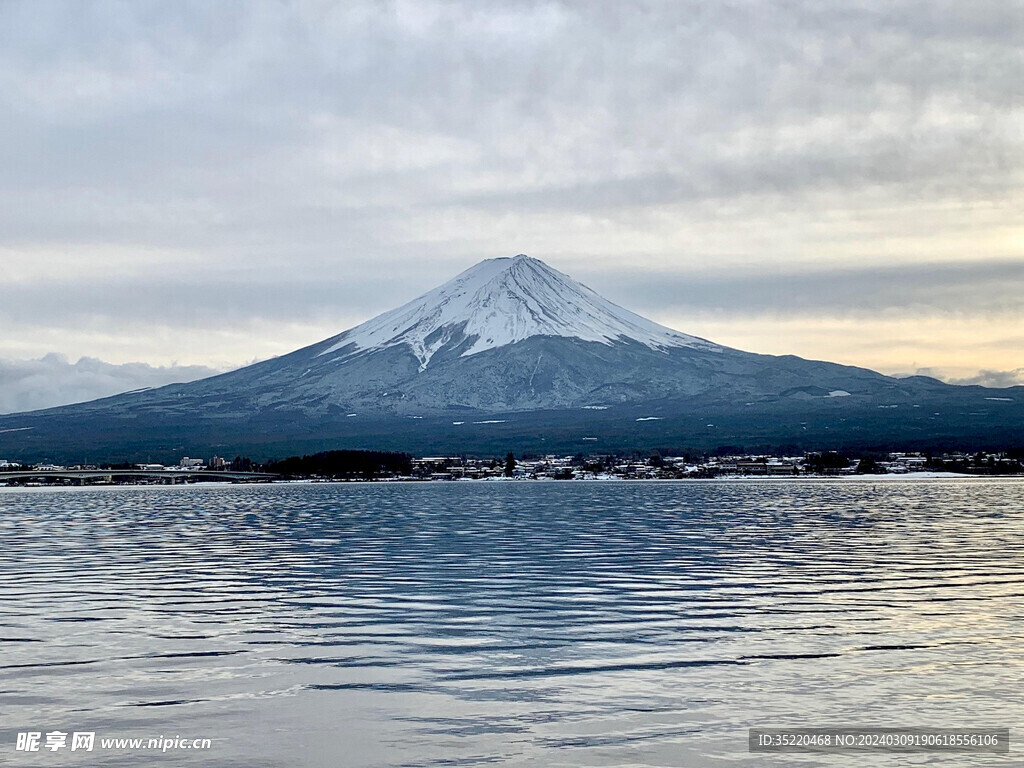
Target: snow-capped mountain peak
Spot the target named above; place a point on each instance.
(503, 301)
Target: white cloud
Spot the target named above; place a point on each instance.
(990, 378)
(27, 385)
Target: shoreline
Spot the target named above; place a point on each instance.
(888, 478)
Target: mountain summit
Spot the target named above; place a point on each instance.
(514, 355)
(504, 301)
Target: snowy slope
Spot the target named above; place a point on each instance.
(500, 302)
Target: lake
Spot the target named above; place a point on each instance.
(507, 623)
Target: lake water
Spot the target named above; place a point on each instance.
(509, 624)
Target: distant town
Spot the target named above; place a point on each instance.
(351, 465)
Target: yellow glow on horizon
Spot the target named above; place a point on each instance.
(954, 347)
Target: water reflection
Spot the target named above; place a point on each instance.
(517, 624)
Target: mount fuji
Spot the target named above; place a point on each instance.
(514, 355)
(505, 301)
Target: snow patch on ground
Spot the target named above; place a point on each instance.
(649, 418)
(1001, 399)
(838, 393)
(491, 421)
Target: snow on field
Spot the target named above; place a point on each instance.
(649, 418)
(838, 393)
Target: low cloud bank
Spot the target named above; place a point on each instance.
(28, 385)
(986, 377)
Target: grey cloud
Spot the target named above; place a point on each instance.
(50, 381)
(571, 105)
(305, 162)
(207, 298)
(899, 290)
(990, 378)
(195, 299)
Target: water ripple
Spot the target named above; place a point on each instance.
(513, 624)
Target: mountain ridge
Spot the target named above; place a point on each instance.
(511, 353)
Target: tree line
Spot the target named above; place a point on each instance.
(363, 465)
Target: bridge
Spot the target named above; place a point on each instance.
(168, 476)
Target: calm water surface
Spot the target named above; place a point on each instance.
(510, 624)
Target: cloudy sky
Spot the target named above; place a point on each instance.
(194, 186)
